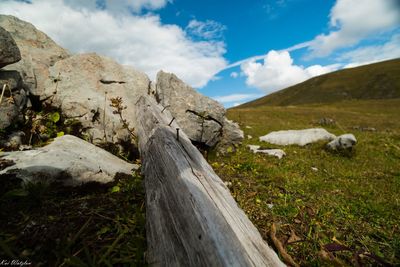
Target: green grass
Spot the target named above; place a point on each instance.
(375, 81)
(91, 225)
(350, 200)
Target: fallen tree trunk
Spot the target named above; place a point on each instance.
(192, 219)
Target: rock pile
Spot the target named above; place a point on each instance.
(97, 93)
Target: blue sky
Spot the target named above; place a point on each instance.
(271, 43)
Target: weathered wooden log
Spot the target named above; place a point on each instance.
(192, 219)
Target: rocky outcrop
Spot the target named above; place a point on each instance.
(12, 98)
(200, 117)
(67, 160)
(9, 52)
(38, 52)
(82, 86)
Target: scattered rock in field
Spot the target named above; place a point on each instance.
(326, 121)
(68, 160)
(9, 52)
(364, 129)
(253, 148)
(270, 205)
(314, 169)
(342, 142)
(248, 127)
(38, 52)
(279, 153)
(298, 137)
(201, 118)
(249, 136)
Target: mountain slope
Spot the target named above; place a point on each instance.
(375, 81)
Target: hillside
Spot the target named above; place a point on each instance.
(321, 198)
(375, 81)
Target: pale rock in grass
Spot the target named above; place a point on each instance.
(342, 142)
(298, 137)
(279, 153)
(253, 148)
(68, 160)
(9, 52)
(38, 52)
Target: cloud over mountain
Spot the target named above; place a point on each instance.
(277, 71)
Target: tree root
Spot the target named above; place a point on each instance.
(285, 256)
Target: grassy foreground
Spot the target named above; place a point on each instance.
(330, 209)
(91, 225)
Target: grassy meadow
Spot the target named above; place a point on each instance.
(329, 208)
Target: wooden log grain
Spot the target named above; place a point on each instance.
(191, 217)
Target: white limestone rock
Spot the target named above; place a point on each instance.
(298, 137)
(342, 142)
(68, 160)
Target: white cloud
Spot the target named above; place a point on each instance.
(235, 97)
(207, 30)
(234, 74)
(140, 41)
(354, 20)
(373, 53)
(278, 72)
(118, 6)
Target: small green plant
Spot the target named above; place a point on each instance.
(118, 106)
(44, 125)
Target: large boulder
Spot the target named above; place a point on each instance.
(38, 52)
(13, 100)
(201, 118)
(68, 160)
(9, 52)
(82, 86)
